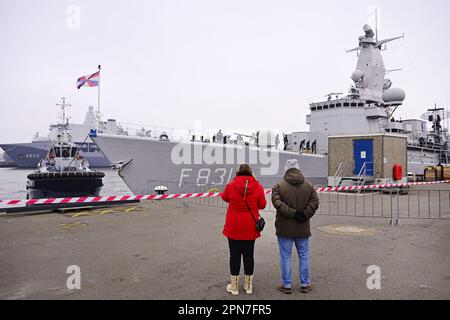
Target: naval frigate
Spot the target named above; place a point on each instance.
(146, 163)
(368, 108)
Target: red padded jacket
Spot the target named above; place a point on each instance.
(239, 225)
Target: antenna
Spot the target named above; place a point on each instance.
(332, 94)
(435, 112)
(446, 118)
(63, 106)
(376, 24)
(393, 70)
(98, 92)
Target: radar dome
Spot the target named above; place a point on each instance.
(357, 75)
(394, 95)
(367, 28)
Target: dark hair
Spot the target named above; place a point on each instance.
(244, 170)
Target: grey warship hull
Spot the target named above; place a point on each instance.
(193, 166)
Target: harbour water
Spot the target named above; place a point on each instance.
(13, 182)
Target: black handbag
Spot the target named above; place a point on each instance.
(260, 224)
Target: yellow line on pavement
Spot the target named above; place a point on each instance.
(69, 225)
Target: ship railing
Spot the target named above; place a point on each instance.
(364, 169)
(156, 132)
(185, 135)
(339, 171)
(363, 172)
(336, 179)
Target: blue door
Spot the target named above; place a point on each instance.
(363, 153)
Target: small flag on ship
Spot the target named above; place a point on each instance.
(89, 81)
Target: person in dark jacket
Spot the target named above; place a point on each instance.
(296, 202)
(240, 227)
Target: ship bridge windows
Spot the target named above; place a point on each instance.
(65, 152)
(93, 148)
(353, 104)
(57, 151)
(29, 155)
(361, 104)
(332, 106)
(73, 152)
(83, 147)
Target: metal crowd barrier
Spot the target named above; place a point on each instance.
(392, 204)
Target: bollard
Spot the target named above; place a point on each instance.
(160, 190)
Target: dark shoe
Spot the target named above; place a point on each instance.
(284, 290)
(306, 289)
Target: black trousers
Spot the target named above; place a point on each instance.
(244, 248)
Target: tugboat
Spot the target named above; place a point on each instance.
(64, 172)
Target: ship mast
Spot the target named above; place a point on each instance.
(98, 95)
(376, 24)
(63, 106)
(437, 128)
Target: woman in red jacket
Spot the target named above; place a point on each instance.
(240, 227)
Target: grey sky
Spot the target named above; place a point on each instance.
(245, 63)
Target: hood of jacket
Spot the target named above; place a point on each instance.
(294, 177)
(240, 181)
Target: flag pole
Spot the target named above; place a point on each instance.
(98, 91)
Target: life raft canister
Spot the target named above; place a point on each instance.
(397, 172)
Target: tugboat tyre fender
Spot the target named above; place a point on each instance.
(52, 175)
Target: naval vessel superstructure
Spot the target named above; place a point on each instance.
(368, 108)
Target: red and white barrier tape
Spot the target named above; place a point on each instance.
(110, 198)
(380, 186)
(191, 195)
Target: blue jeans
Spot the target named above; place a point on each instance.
(285, 246)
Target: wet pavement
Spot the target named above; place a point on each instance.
(167, 250)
